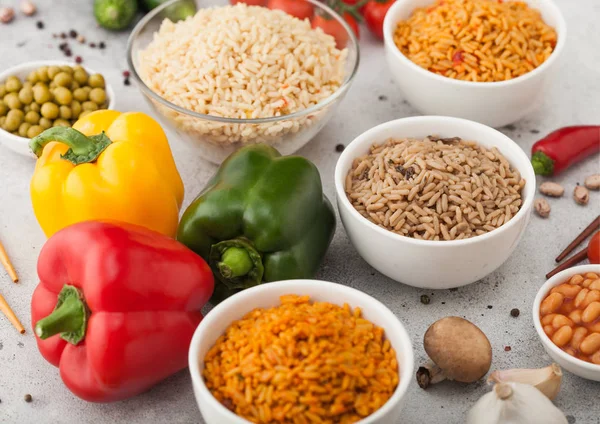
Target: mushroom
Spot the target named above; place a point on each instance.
(459, 351)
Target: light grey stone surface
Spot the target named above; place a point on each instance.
(574, 98)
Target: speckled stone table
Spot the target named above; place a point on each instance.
(574, 98)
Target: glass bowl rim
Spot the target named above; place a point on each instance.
(298, 114)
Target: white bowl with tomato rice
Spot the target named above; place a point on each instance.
(495, 103)
(219, 320)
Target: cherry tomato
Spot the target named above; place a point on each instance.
(374, 13)
(249, 2)
(335, 29)
(301, 9)
(593, 251)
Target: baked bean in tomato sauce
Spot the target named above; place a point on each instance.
(570, 316)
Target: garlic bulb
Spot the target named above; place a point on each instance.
(547, 380)
(515, 403)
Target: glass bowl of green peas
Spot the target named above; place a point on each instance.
(38, 95)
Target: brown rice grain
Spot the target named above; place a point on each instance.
(467, 201)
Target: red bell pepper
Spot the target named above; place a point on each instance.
(116, 307)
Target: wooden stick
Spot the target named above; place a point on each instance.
(573, 260)
(594, 225)
(6, 310)
(7, 265)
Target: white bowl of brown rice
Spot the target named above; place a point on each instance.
(483, 60)
(434, 202)
(301, 351)
(234, 75)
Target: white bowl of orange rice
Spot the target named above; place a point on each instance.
(270, 385)
(453, 62)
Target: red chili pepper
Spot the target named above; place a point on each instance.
(116, 307)
(564, 147)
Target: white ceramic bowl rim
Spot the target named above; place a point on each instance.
(298, 114)
(555, 280)
(38, 64)
(340, 178)
(561, 29)
(296, 286)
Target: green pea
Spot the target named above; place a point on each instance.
(42, 74)
(63, 96)
(49, 110)
(61, 123)
(13, 84)
(2, 121)
(65, 112)
(2, 90)
(26, 109)
(35, 130)
(96, 81)
(32, 77)
(23, 129)
(74, 85)
(34, 107)
(84, 113)
(75, 109)
(63, 79)
(12, 101)
(67, 69)
(80, 94)
(3, 108)
(14, 118)
(53, 71)
(87, 89)
(91, 106)
(41, 94)
(27, 84)
(45, 123)
(32, 117)
(26, 95)
(52, 85)
(98, 96)
(81, 76)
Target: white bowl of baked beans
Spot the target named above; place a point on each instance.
(566, 315)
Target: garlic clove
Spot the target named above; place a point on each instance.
(547, 379)
(515, 403)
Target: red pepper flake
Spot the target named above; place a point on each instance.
(126, 74)
(78, 59)
(457, 58)
(507, 348)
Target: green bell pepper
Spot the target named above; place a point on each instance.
(261, 218)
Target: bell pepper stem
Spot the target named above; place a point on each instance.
(82, 149)
(69, 318)
(542, 164)
(235, 262)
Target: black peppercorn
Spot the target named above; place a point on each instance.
(28, 398)
(39, 25)
(63, 35)
(425, 299)
(102, 45)
(382, 98)
(514, 312)
(490, 306)
(126, 81)
(93, 45)
(339, 148)
(73, 33)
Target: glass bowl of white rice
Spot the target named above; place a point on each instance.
(233, 75)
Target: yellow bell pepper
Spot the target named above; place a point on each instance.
(109, 166)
